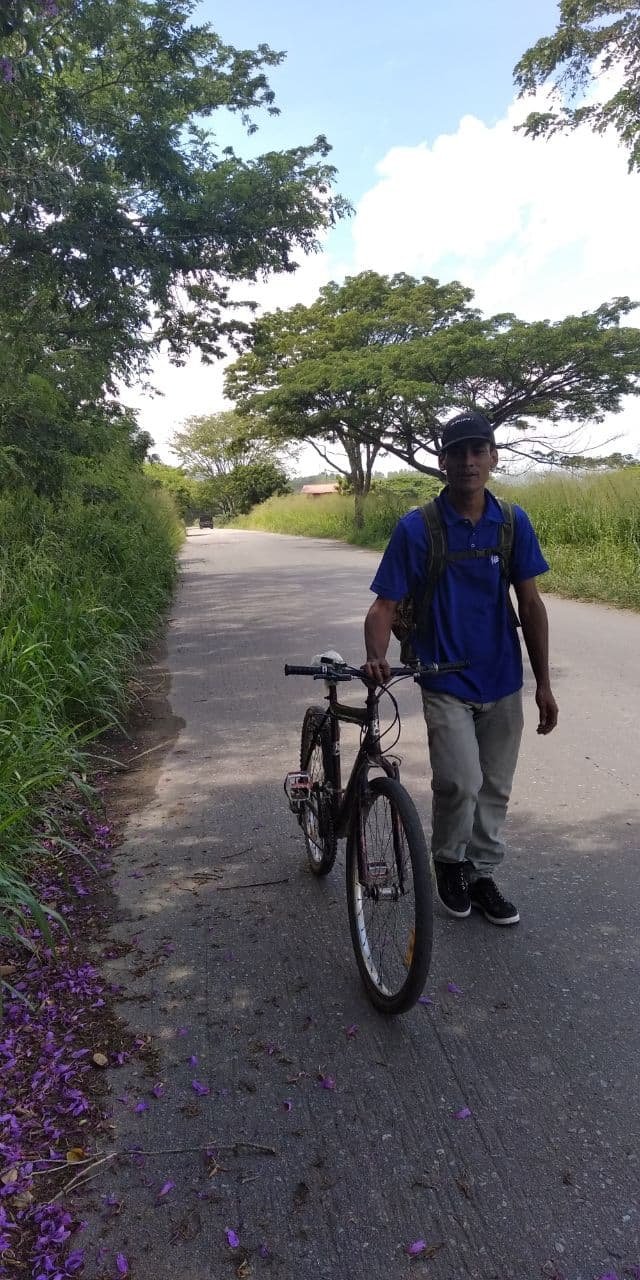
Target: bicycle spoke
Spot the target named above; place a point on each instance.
(390, 911)
(315, 818)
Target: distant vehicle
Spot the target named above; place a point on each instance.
(206, 522)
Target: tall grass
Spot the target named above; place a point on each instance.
(588, 526)
(83, 582)
(332, 516)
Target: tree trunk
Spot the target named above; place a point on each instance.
(358, 509)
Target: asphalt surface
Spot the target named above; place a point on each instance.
(243, 961)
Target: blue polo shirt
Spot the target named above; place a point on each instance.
(469, 612)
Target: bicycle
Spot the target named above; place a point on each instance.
(389, 892)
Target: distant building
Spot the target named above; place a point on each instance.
(318, 490)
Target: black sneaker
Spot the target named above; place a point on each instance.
(452, 883)
(485, 896)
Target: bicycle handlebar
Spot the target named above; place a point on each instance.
(327, 670)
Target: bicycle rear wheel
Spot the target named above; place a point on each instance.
(391, 914)
(316, 819)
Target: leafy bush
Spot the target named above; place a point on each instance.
(82, 584)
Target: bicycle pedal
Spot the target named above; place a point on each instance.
(297, 786)
(377, 872)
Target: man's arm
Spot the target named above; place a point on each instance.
(535, 629)
(377, 634)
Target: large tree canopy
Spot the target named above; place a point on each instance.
(214, 444)
(591, 37)
(124, 221)
(336, 372)
(379, 363)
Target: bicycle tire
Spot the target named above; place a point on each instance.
(316, 818)
(392, 936)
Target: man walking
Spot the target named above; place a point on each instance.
(474, 716)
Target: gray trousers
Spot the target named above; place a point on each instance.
(474, 751)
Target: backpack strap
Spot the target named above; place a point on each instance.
(438, 556)
(436, 559)
(505, 551)
(505, 543)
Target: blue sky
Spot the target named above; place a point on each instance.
(372, 75)
(417, 100)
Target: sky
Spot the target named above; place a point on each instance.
(418, 102)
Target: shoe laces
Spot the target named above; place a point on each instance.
(492, 892)
(459, 875)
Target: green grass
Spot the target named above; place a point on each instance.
(83, 583)
(588, 526)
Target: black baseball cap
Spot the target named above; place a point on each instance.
(471, 425)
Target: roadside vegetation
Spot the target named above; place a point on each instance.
(124, 222)
(84, 580)
(589, 525)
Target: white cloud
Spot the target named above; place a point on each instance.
(538, 227)
(541, 228)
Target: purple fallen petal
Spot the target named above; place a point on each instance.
(264, 1250)
(610, 1275)
(232, 1239)
(327, 1082)
(200, 1089)
(287, 1104)
(182, 1031)
(142, 1106)
(425, 1000)
(352, 1030)
(454, 989)
(193, 1060)
(462, 1114)
(166, 1188)
(122, 1264)
(416, 1248)
(158, 1090)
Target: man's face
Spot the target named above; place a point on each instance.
(467, 465)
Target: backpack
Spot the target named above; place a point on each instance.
(411, 612)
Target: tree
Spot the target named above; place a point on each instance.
(379, 363)
(591, 37)
(215, 444)
(584, 462)
(237, 491)
(123, 222)
(330, 373)
(183, 488)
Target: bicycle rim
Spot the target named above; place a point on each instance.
(390, 917)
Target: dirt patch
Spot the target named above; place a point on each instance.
(136, 754)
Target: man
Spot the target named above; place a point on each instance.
(474, 717)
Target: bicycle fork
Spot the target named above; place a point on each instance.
(379, 879)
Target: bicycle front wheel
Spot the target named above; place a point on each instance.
(389, 896)
(316, 818)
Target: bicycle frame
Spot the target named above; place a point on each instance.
(369, 754)
(345, 802)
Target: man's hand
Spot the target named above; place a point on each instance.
(377, 671)
(377, 634)
(548, 709)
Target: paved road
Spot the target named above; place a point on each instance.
(259, 983)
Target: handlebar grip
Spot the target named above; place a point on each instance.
(290, 670)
